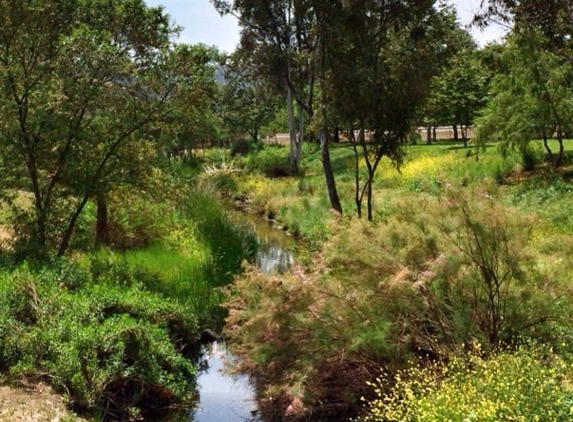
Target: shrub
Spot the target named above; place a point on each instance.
(271, 161)
(428, 281)
(528, 384)
(244, 146)
(107, 345)
(530, 157)
(136, 219)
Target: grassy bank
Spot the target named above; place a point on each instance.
(466, 249)
(116, 330)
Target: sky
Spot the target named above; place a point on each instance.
(204, 25)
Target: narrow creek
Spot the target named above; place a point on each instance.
(222, 396)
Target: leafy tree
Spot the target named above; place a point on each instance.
(378, 60)
(278, 35)
(551, 18)
(459, 92)
(247, 103)
(193, 118)
(79, 82)
(531, 98)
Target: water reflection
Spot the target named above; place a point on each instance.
(224, 398)
(271, 257)
(275, 245)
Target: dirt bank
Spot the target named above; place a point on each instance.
(36, 403)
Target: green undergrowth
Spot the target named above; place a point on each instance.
(111, 346)
(116, 330)
(301, 203)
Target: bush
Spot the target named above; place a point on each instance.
(432, 278)
(107, 345)
(244, 146)
(530, 157)
(271, 161)
(529, 384)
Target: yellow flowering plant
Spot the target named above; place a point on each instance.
(526, 384)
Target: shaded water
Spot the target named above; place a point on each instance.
(224, 397)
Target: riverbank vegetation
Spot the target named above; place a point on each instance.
(117, 332)
(424, 268)
(112, 254)
(467, 250)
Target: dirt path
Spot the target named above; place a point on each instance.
(35, 404)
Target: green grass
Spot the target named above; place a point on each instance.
(179, 275)
(302, 203)
(116, 330)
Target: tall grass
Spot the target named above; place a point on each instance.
(199, 254)
(178, 275)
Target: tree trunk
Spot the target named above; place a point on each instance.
(39, 232)
(300, 137)
(456, 137)
(328, 174)
(429, 135)
(65, 243)
(357, 197)
(39, 238)
(548, 149)
(369, 195)
(102, 232)
(561, 149)
(294, 158)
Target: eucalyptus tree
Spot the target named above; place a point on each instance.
(79, 81)
(279, 36)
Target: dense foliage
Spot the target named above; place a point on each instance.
(462, 254)
(101, 338)
(117, 332)
(446, 293)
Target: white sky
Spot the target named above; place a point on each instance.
(202, 23)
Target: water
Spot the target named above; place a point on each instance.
(275, 244)
(222, 396)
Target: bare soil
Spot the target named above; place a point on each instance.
(36, 403)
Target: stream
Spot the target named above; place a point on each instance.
(229, 398)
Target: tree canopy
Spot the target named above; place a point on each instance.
(80, 83)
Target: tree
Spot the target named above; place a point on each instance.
(377, 63)
(278, 34)
(79, 82)
(531, 98)
(247, 103)
(459, 92)
(549, 18)
(193, 120)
